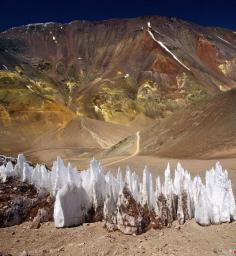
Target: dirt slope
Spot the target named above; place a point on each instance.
(89, 240)
(204, 130)
(77, 139)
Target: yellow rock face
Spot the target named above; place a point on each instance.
(147, 90)
(182, 80)
(28, 108)
(228, 67)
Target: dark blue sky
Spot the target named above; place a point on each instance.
(205, 12)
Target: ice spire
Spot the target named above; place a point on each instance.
(132, 205)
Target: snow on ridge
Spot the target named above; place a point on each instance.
(54, 39)
(222, 39)
(5, 66)
(40, 24)
(150, 26)
(111, 196)
(165, 48)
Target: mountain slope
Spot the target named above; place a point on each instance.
(129, 72)
(113, 70)
(205, 130)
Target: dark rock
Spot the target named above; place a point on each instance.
(35, 223)
(5, 254)
(20, 202)
(43, 215)
(129, 217)
(167, 210)
(184, 209)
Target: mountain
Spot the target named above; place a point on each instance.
(131, 73)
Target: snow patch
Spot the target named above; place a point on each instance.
(4, 66)
(53, 37)
(40, 24)
(150, 27)
(166, 49)
(227, 42)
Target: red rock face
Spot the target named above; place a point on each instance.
(166, 66)
(124, 45)
(208, 53)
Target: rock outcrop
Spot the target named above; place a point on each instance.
(21, 201)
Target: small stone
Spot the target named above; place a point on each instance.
(62, 249)
(178, 227)
(24, 253)
(35, 223)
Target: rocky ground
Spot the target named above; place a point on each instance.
(20, 202)
(93, 239)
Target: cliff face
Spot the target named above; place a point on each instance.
(113, 70)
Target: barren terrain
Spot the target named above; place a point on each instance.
(93, 239)
(131, 92)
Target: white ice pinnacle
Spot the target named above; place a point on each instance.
(77, 192)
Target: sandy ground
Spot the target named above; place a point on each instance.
(93, 239)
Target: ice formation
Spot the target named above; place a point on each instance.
(129, 203)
